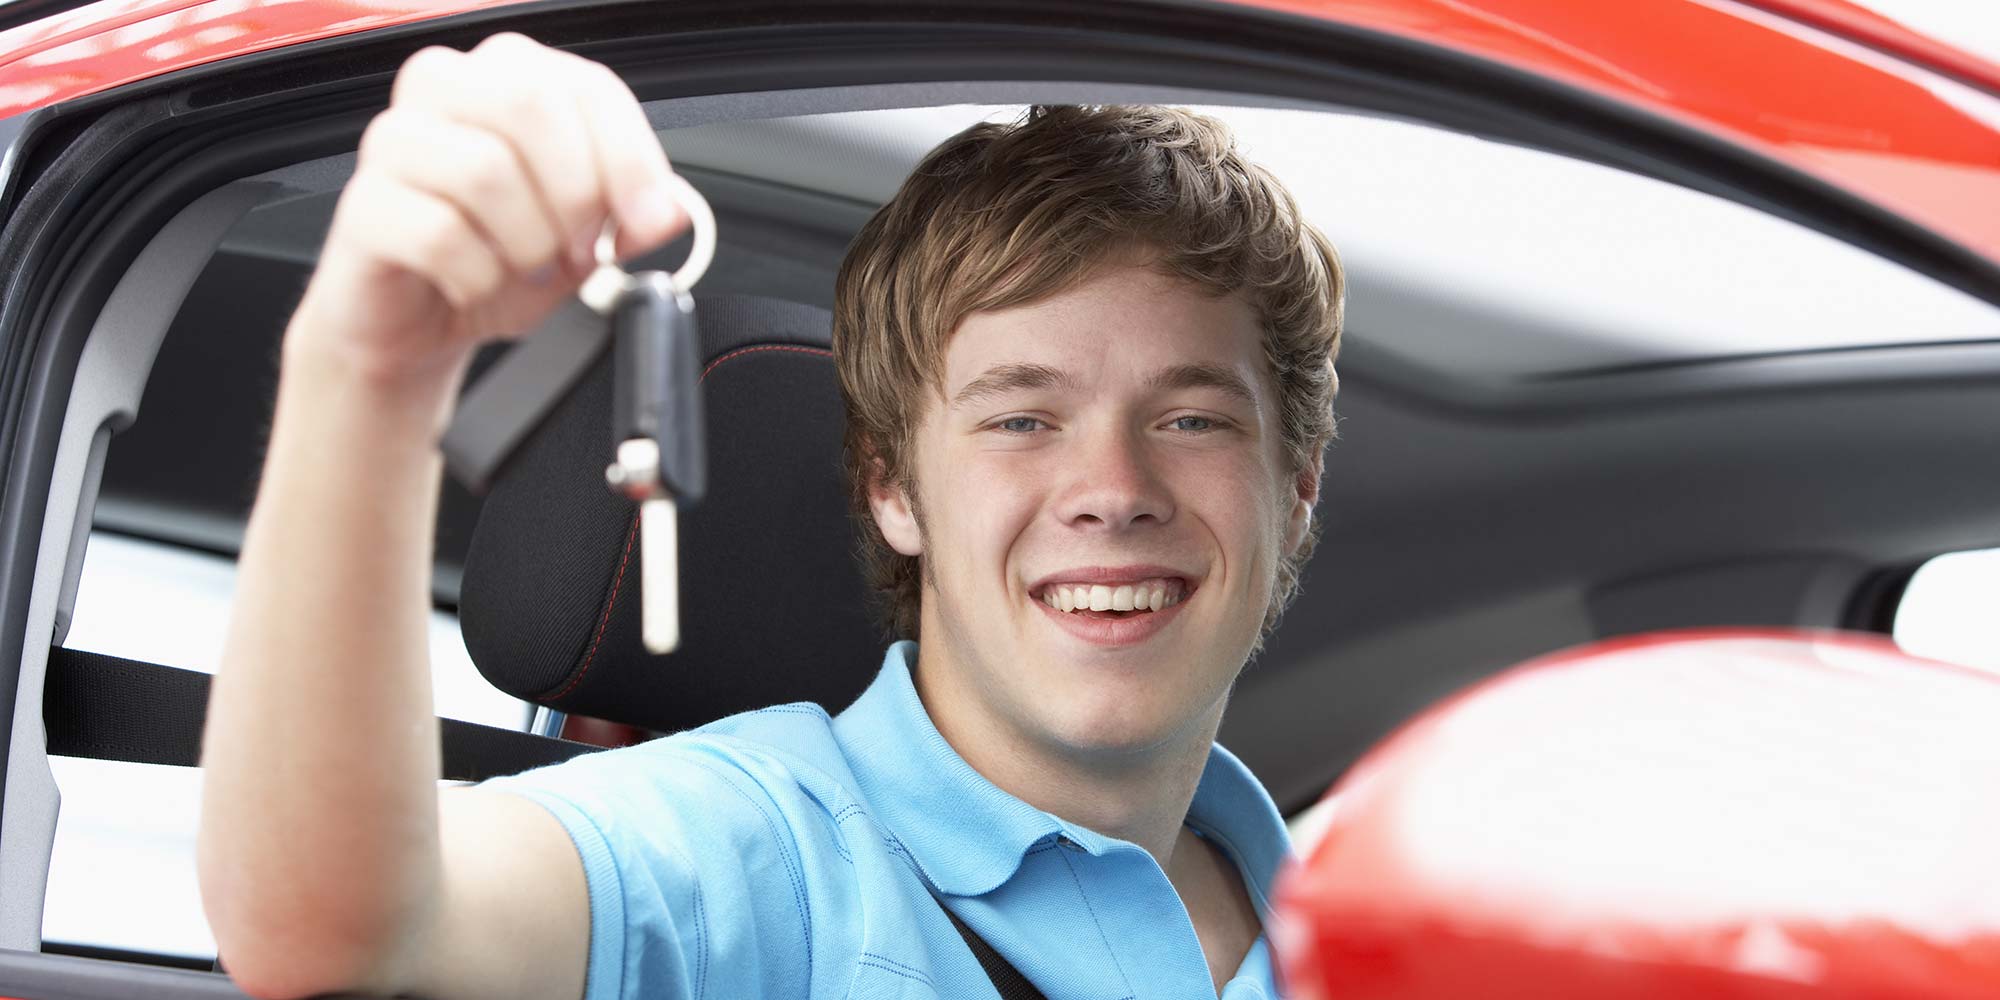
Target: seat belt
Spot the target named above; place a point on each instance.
(110, 708)
(1007, 979)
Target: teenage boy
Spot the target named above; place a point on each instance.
(1088, 366)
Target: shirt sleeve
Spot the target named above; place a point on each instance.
(696, 888)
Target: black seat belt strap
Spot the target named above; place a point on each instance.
(1007, 979)
(110, 708)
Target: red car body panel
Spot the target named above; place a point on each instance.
(1884, 112)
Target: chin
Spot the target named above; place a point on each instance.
(1112, 723)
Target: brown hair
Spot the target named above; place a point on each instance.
(1005, 215)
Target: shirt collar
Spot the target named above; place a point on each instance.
(1233, 811)
(968, 836)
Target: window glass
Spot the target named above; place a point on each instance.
(1951, 610)
(122, 874)
(1442, 232)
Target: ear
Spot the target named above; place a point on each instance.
(894, 515)
(1305, 497)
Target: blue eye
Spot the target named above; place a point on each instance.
(1193, 425)
(1019, 425)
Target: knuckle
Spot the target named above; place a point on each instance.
(487, 166)
(437, 237)
(578, 209)
(539, 109)
(601, 77)
(382, 131)
(482, 275)
(425, 64)
(362, 200)
(506, 42)
(525, 108)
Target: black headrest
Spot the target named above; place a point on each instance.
(773, 608)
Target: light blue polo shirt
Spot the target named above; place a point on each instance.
(786, 853)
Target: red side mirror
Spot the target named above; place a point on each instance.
(1722, 814)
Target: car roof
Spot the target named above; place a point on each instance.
(1808, 83)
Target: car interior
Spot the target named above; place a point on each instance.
(1584, 393)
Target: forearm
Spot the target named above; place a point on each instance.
(476, 200)
(319, 840)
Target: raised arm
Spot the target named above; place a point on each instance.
(328, 859)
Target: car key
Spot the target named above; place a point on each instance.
(656, 415)
(656, 422)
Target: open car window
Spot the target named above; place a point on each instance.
(1950, 609)
(126, 831)
(1472, 264)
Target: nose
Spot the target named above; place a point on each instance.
(1111, 482)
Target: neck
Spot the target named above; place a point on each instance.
(1141, 796)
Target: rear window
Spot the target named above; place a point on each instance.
(122, 874)
(1951, 610)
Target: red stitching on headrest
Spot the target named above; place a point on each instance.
(741, 351)
(632, 532)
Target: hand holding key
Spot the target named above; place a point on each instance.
(472, 211)
(475, 207)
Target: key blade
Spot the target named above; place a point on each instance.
(659, 575)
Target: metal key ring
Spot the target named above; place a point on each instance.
(601, 289)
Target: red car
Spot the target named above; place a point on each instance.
(1663, 313)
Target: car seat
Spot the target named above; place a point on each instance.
(773, 605)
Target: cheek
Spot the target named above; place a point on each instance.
(1244, 507)
(988, 501)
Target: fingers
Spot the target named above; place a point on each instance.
(475, 172)
(426, 235)
(580, 135)
(479, 194)
(634, 175)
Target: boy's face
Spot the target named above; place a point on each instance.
(1122, 435)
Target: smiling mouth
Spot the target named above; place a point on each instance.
(1114, 601)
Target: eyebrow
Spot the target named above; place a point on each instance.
(1002, 379)
(1203, 376)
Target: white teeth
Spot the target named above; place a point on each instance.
(1146, 595)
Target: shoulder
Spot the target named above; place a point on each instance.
(761, 765)
(727, 840)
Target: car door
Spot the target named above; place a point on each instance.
(114, 196)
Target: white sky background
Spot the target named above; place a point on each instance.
(126, 831)
(1972, 25)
